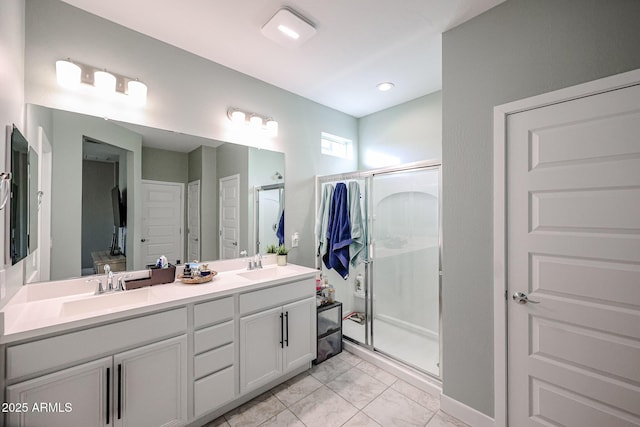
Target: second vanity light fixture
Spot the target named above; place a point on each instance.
(71, 74)
(252, 121)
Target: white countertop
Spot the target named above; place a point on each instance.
(53, 307)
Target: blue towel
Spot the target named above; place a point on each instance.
(280, 230)
(339, 233)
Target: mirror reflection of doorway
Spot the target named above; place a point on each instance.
(193, 221)
(229, 216)
(104, 186)
(269, 221)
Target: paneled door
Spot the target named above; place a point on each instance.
(573, 262)
(229, 217)
(193, 221)
(162, 221)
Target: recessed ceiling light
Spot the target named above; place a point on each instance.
(288, 28)
(385, 86)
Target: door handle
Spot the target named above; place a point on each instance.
(286, 317)
(235, 243)
(119, 390)
(522, 298)
(108, 393)
(143, 240)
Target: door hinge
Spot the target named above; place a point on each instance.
(506, 295)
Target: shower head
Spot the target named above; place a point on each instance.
(276, 176)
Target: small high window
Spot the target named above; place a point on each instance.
(337, 146)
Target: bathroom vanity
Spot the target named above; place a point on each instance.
(171, 354)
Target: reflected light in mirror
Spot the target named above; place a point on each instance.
(68, 74)
(377, 159)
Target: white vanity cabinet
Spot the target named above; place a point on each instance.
(143, 386)
(276, 336)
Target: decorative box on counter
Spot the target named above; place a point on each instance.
(157, 276)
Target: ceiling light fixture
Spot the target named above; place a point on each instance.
(288, 28)
(244, 120)
(70, 74)
(385, 86)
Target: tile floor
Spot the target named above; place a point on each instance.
(343, 391)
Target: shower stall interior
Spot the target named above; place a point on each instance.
(391, 300)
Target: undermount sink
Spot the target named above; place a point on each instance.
(105, 301)
(268, 273)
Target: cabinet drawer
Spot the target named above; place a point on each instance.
(276, 295)
(214, 391)
(329, 346)
(329, 320)
(213, 336)
(208, 313)
(213, 360)
(48, 353)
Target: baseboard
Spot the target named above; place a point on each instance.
(464, 413)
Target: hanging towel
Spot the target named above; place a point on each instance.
(358, 243)
(280, 230)
(322, 219)
(339, 232)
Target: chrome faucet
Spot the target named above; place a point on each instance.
(99, 288)
(122, 286)
(251, 265)
(109, 273)
(258, 263)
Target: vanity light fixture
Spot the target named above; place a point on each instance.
(71, 73)
(288, 28)
(385, 86)
(242, 119)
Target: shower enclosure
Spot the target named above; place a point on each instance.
(391, 300)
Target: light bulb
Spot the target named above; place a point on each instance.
(137, 91)
(68, 74)
(104, 82)
(255, 122)
(238, 117)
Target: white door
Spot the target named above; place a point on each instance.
(162, 221)
(86, 389)
(261, 343)
(193, 221)
(573, 239)
(300, 335)
(151, 385)
(229, 217)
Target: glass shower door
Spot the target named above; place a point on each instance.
(405, 285)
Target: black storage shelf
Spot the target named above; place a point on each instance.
(329, 331)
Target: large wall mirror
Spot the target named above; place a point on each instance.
(125, 194)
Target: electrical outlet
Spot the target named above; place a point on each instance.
(295, 239)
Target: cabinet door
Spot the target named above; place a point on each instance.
(72, 397)
(150, 387)
(261, 337)
(300, 333)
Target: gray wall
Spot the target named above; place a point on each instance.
(164, 165)
(11, 111)
(209, 204)
(411, 131)
(187, 94)
(516, 50)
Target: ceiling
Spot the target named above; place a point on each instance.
(358, 44)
